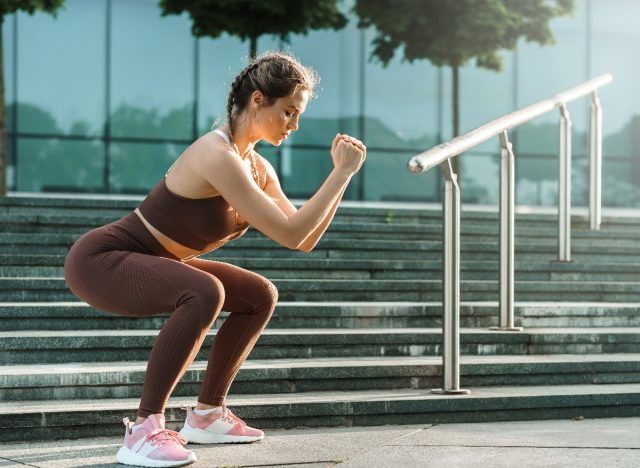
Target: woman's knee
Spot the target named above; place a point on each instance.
(267, 297)
(207, 296)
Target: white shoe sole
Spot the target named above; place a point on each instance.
(200, 436)
(128, 457)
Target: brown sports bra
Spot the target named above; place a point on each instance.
(193, 222)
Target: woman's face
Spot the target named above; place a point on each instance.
(276, 122)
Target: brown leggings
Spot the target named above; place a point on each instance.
(122, 269)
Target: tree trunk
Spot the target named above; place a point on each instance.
(455, 103)
(253, 47)
(4, 153)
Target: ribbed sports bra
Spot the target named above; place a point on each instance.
(193, 222)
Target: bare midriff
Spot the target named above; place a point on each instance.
(172, 246)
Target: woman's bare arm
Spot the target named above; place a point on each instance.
(274, 190)
(225, 171)
(310, 242)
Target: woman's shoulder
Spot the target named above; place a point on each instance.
(211, 148)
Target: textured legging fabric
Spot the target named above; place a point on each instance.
(122, 269)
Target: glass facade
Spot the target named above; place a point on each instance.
(105, 96)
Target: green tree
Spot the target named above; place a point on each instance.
(250, 19)
(8, 7)
(454, 32)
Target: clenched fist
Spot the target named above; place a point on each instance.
(348, 153)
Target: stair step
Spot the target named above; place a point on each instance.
(54, 289)
(80, 316)
(60, 419)
(391, 269)
(29, 347)
(97, 380)
(612, 245)
(368, 230)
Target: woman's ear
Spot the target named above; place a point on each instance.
(257, 98)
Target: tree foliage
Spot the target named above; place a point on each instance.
(452, 32)
(7, 7)
(29, 6)
(250, 19)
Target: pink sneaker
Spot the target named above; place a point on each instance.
(218, 428)
(153, 445)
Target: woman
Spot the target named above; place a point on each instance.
(146, 263)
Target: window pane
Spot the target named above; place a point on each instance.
(9, 95)
(7, 62)
(61, 69)
(152, 72)
(620, 185)
(11, 168)
(480, 177)
(304, 170)
(401, 103)
(220, 61)
(54, 165)
(537, 181)
(544, 71)
(137, 167)
(616, 40)
(387, 179)
(335, 56)
(485, 95)
(615, 43)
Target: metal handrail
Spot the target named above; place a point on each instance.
(436, 155)
(441, 156)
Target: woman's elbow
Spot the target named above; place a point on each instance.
(292, 244)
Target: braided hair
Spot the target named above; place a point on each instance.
(275, 75)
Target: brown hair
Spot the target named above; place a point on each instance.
(275, 75)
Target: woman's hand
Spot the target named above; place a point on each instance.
(348, 153)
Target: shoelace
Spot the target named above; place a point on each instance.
(226, 413)
(160, 437)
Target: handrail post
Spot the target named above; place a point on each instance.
(564, 187)
(507, 235)
(451, 284)
(595, 167)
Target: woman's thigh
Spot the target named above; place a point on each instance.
(244, 290)
(131, 283)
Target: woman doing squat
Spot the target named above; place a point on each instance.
(146, 263)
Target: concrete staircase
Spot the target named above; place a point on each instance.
(355, 339)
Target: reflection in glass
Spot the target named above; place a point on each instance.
(7, 62)
(546, 70)
(620, 186)
(220, 60)
(387, 179)
(151, 72)
(55, 165)
(481, 177)
(484, 95)
(137, 167)
(139, 121)
(304, 170)
(61, 67)
(401, 103)
(336, 108)
(537, 181)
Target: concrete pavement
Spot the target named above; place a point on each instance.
(582, 443)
